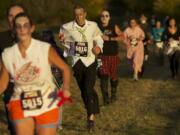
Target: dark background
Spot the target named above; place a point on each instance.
(52, 13)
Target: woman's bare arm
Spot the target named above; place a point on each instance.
(4, 77)
(55, 60)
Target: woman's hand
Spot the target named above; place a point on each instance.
(66, 93)
(105, 38)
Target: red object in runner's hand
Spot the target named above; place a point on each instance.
(63, 99)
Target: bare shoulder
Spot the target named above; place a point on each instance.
(9, 50)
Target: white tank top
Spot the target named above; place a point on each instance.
(31, 73)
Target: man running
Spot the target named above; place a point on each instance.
(86, 43)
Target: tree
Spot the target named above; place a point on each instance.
(58, 11)
(3, 7)
(167, 7)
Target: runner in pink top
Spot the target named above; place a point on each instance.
(134, 36)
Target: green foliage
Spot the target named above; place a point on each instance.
(94, 7)
(46, 11)
(55, 12)
(133, 6)
(3, 7)
(59, 11)
(167, 7)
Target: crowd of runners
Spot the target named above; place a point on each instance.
(33, 70)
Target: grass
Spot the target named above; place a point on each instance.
(150, 106)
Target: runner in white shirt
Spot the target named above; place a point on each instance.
(83, 38)
(33, 103)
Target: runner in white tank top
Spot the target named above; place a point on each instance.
(29, 64)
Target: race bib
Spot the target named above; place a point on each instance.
(31, 100)
(172, 47)
(81, 49)
(133, 42)
(174, 43)
(159, 44)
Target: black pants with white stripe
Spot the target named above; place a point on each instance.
(86, 77)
